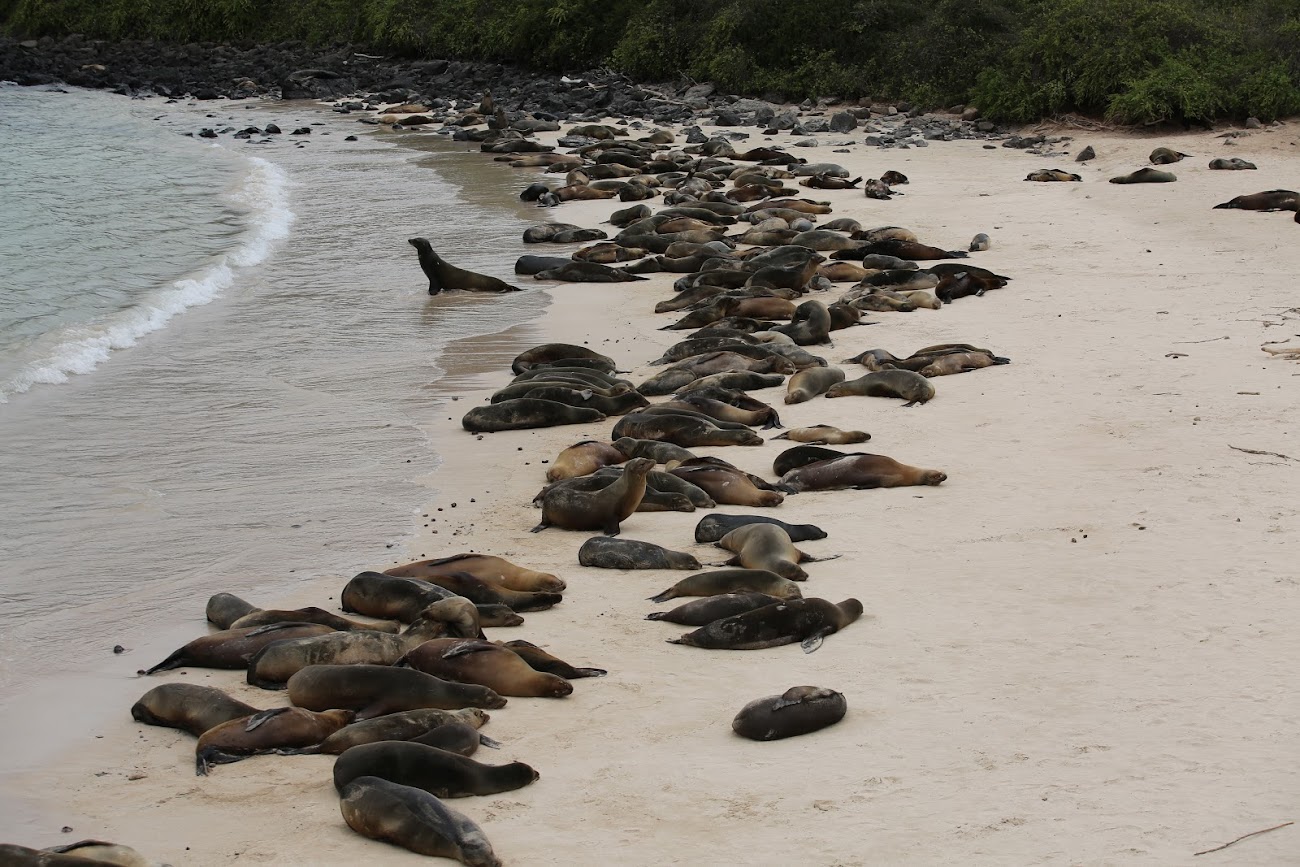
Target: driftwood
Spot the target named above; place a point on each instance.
(1243, 837)
(1267, 454)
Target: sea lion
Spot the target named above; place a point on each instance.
(713, 527)
(601, 552)
(726, 411)
(842, 272)
(806, 621)
(703, 611)
(406, 598)
(546, 231)
(900, 249)
(482, 592)
(231, 648)
(601, 510)
(738, 380)
(911, 387)
(375, 690)
(765, 546)
(606, 252)
(1051, 175)
(860, 472)
(524, 413)
(1165, 156)
(188, 707)
(723, 581)
(540, 660)
(1145, 175)
(728, 486)
(403, 726)
(1233, 164)
(438, 772)
(664, 492)
(264, 732)
(469, 660)
(683, 430)
(659, 452)
(800, 710)
(311, 614)
(496, 570)
(810, 382)
(444, 276)
(83, 853)
(627, 216)
(823, 434)
(893, 178)
(575, 271)
(979, 243)
(223, 609)
(455, 738)
(580, 397)
(1270, 200)
(546, 354)
(415, 820)
(961, 362)
(801, 456)
(810, 324)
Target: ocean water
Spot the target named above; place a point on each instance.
(215, 361)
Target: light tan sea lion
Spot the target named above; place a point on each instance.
(765, 546)
(723, 581)
(806, 384)
(188, 707)
(84, 853)
(415, 820)
(728, 486)
(496, 570)
(1165, 156)
(911, 387)
(482, 662)
(264, 732)
(232, 648)
(310, 614)
(540, 660)
(960, 362)
(1051, 175)
(860, 472)
(823, 434)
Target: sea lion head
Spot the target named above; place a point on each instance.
(933, 477)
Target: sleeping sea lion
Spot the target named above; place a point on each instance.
(1270, 200)
(798, 711)
(469, 660)
(911, 387)
(264, 732)
(406, 598)
(701, 612)
(823, 434)
(723, 581)
(525, 413)
(860, 472)
(375, 690)
(415, 820)
(496, 570)
(807, 384)
(231, 648)
(602, 552)
(806, 621)
(188, 707)
(540, 660)
(438, 772)
(403, 726)
(1145, 175)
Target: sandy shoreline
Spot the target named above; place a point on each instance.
(1040, 681)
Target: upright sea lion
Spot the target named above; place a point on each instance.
(810, 382)
(703, 611)
(1165, 156)
(540, 660)
(732, 581)
(1145, 175)
(468, 660)
(413, 819)
(231, 648)
(713, 527)
(403, 726)
(860, 472)
(444, 276)
(188, 707)
(1051, 175)
(496, 570)
(602, 552)
(806, 621)
(525, 413)
(823, 434)
(1270, 200)
(809, 324)
(264, 732)
(798, 711)
(375, 690)
(601, 510)
(911, 387)
(438, 772)
(765, 546)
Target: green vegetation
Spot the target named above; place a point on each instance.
(1133, 61)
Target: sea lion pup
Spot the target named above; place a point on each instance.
(823, 434)
(496, 570)
(823, 181)
(550, 353)
(403, 726)
(438, 772)
(84, 853)
(188, 707)
(911, 387)
(806, 621)
(729, 486)
(264, 732)
(1165, 156)
(713, 527)
(274, 664)
(979, 243)
(375, 690)
(723, 581)
(894, 179)
(807, 384)
(824, 239)
(223, 609)
(602, 510)
(659, 452)
(524, 413)
(1145, 175)
(701, 612)
(860, 472)
(1051, 175)
(683, 430)
(1233, 164)
(800, 710)
(483, 592)
(601, 552)
(231, 648)
(543, 232)
(443, 276)
(415, 820)
(885, 233)
(801, 456)
(765, 546)
(540, 660)
(961, 362)
(469, 660)
(1270, 200)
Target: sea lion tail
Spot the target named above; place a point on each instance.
(998, 359)
(588, 672)
(312, 750)
(1224, 205)
(205, 758)
(784, 436)
(176, 660)
(664, 596)
(657, 615)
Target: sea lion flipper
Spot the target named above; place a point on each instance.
(540, 527)
(488, 742)
(784, 436)
(258, 718)
(812, 642)
(465, 647)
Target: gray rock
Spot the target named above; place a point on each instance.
(1086, 154)
(785, 120)
(1252, 123)
(843, 121)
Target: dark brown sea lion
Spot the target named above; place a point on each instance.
(232, 648)
(806, 621)
(765, 546)
(1051, 175)
(482, 592)
(406, 598)
(701, 612)
(860, 472)
(1233, 164)
(801, 456)
(905, 250)
(713, 527)
(800, 710)
(682, 430)
(468, 660)
(824, 434)
(375, 690)
(659, 452)
(911, 387)
(606, 253)
(438, 772)
(225, 608)
(728, 486)
(455, 738)
(525, 413)
(601, 510)
(551, 353)
(723, 581)
(496, 570)
(413, 819)
(1145, 175)
(810, 382)
(578, 396)
(809, 324)
(602, 552)
(540, 660)
(1270, 200)
(1165, 156)
(264, 732)
(188, 707)
(83, 853)
(403, 726)
(311, 614)
(444, 276)
(575, 271)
